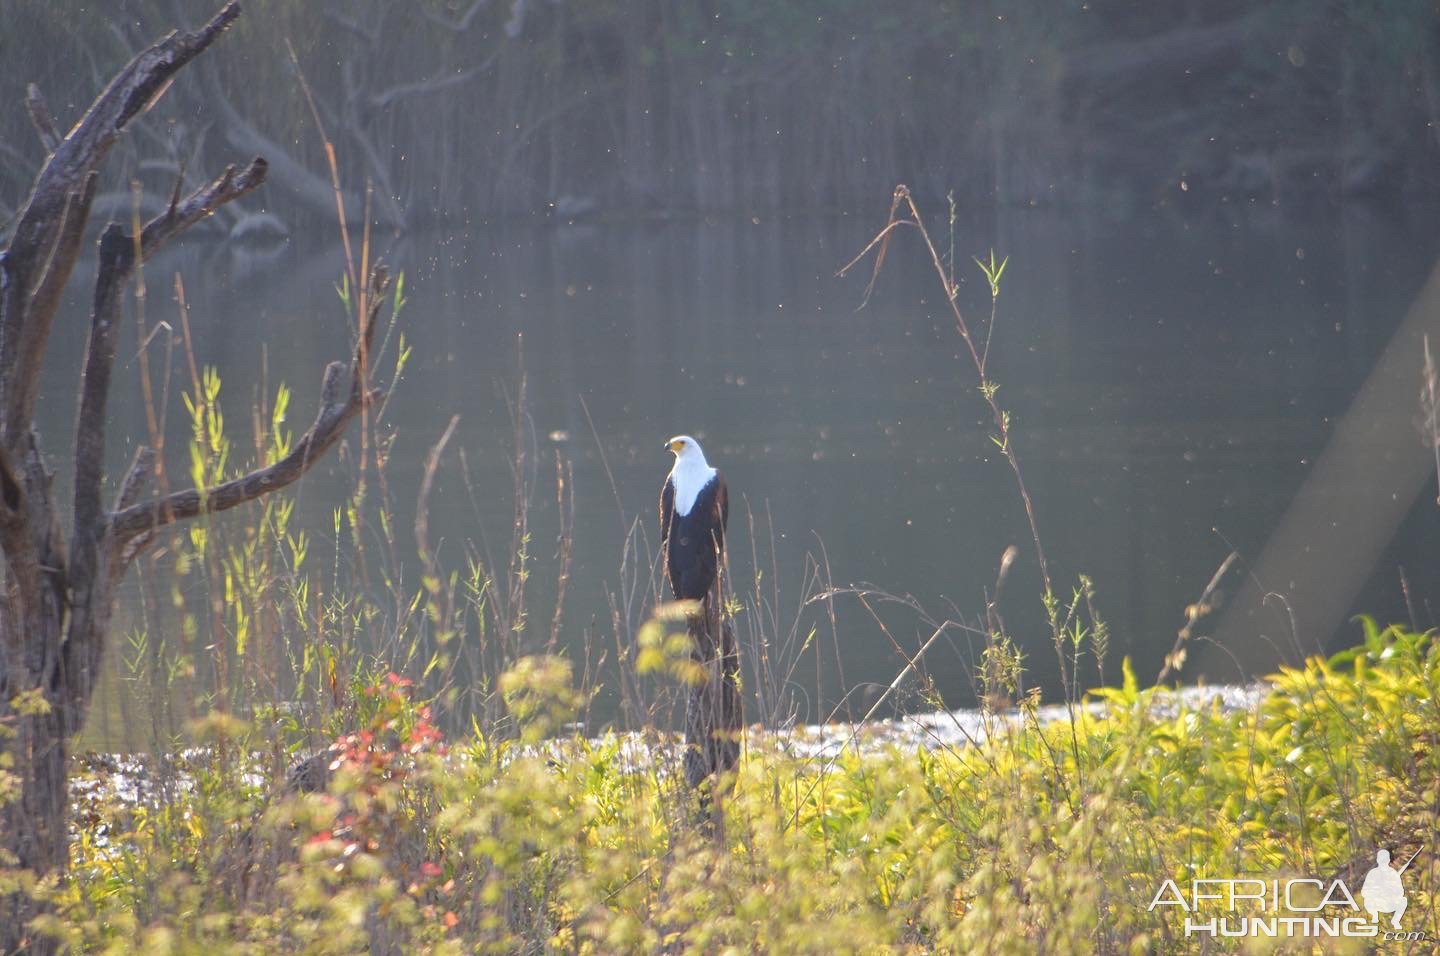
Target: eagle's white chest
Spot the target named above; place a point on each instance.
(688, 480)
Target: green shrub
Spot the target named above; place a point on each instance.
(1045, 838)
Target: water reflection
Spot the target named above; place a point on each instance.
(1171, 381)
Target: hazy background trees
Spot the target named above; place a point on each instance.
(536, 107)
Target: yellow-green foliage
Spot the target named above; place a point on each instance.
(1048, 838)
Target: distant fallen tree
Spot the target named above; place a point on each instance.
(56, 598)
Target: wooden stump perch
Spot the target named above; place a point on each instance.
(713, 717)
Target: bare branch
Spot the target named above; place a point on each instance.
(360, 361)
(29, 310)
(225, 188)
(119, 254)
(137, 476)
(129, 94)
(329, 425)
(46, 236)
(883, 240)
(334, 414)
(133, 549)
(116, 261)
(434, 84)
(330, 385)
(40, 116)
(179, 187)
(422, 506)
(460, 25)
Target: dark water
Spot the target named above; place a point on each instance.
(1172, 379)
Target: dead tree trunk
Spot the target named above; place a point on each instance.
(55, 601)
(713, 720)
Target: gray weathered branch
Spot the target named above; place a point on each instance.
(33, 285)
(119, 255)
(142, 467)
(337, 408)
(182, 214)
(441, 81)
(40, 116)
(35, 266)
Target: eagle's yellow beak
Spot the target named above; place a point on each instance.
(675, 445)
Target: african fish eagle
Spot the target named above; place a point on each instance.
(693, 511)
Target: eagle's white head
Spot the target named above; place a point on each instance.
(691, 472)
(687, 451)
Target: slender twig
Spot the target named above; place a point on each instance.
(333, 163)
(604, 463)
(1176, 658)
(1430, 407)
(435, 84)
(422, 500)
(564, 541)
(988, 390)
(883, 239)
(989, 332)
(40, 115)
